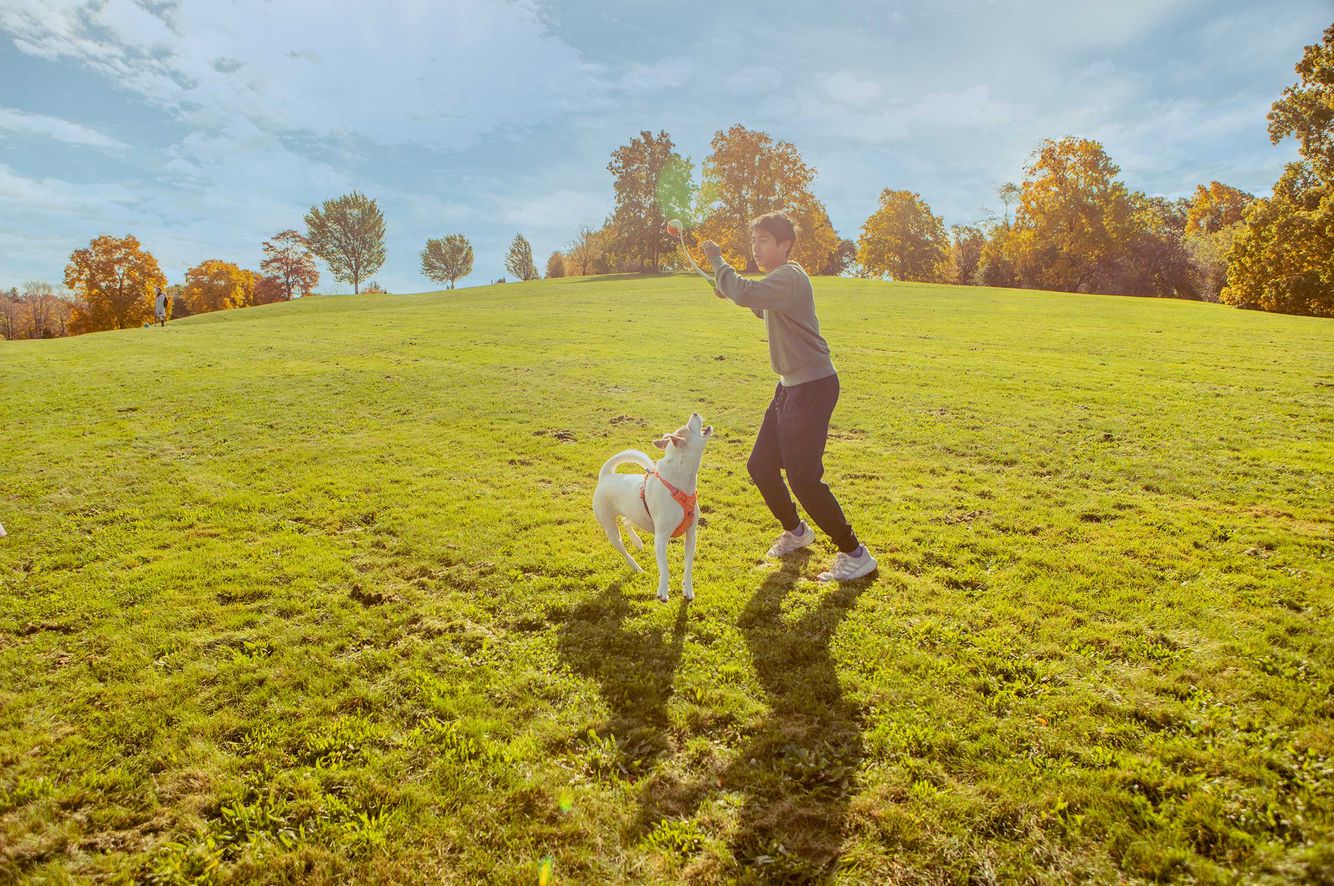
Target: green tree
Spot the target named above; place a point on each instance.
(348, 233)
(519, 260)
(903, 239)
(447, 258)
(653, 184)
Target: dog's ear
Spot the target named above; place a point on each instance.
(676, 438)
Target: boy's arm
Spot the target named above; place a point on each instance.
(775, 292)
(758, 312)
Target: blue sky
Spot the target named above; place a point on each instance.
(204, 127)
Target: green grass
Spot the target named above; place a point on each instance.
(313, 591)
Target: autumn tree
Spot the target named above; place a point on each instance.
(447, 259)
(840, 261)
(1283, 257)
(585, 250)
(903, 239)
(348, 233)
(288, 258)
(11, 314)
(995, 265)
(113, 281)
(269, 289)
(216, 285)
(1009, 194)
(746, 175)
(519, 259)
(49, 309)
(1305, 110)
(652, 184)
(965, 254)
(1215, 207)
(817, 242)
(1074, 217)
(1214, 216)
(1154, 260)
(176, 298)
(555, 265)
(995, 261)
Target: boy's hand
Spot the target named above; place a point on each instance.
(712, 251)
(719, 294)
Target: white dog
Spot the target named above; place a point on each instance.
(663, 501)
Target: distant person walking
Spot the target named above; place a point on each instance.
(160, 307)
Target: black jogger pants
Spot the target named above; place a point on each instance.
(792, 440)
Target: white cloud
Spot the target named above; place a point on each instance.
(474, 116)
(847, 87)
(57, 197)
(665, 74)
(442, 75)
(13, 120)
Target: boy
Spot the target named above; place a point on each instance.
(796, 425)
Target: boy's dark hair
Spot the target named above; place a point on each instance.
(778, 225)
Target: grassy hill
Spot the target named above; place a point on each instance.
(314, 591)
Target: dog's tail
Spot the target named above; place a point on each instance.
(626, 456)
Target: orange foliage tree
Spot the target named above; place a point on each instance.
(904, 239)
(1074, 218)
(113, 281)
(1215, 207)
(216, 285)
(749, 174)
(288, 258)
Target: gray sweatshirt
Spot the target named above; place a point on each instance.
(785, 301)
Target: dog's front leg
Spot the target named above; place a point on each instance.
(660, 540)
(687, 584)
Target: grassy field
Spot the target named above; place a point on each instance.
(314, 592)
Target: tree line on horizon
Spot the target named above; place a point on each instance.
(1075, 227)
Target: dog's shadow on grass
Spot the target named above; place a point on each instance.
(634, 667)
(797, 769)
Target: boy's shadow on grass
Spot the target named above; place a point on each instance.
(797, 770)
(634, 669)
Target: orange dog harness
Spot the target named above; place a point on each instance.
(685, 501)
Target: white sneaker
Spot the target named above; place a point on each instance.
(788, 542)
(847, 567)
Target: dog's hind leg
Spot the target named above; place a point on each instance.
(609, 525)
